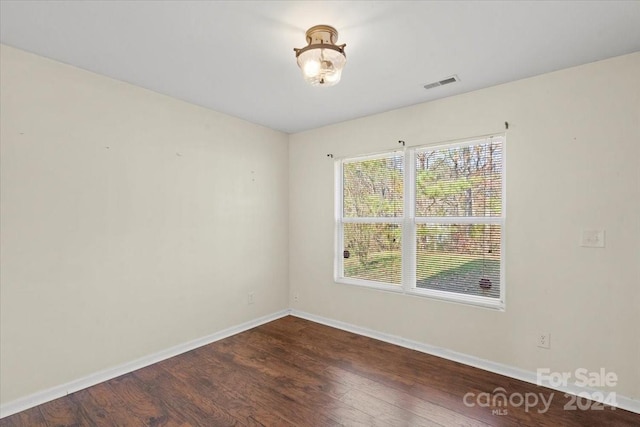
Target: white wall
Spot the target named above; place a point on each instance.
(131, 222)
(573, 162)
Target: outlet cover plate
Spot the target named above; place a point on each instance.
(592, 239)
(544, 340)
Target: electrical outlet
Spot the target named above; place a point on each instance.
(250, 298)
(544, 340)
(295, 297)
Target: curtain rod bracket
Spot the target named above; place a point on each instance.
(401, 142)
(330, 155)
(506, 125)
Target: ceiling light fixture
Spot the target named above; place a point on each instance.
(321, 61)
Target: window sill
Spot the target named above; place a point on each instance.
(476, 301)
(468, 300)
(370, 284)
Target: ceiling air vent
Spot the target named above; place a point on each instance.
(442, 82)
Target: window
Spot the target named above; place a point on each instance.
(372, 219)
(426, 221)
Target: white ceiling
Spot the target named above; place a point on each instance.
(237, 56)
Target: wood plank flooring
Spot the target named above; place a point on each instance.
(292, 372)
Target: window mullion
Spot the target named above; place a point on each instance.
(409, 227)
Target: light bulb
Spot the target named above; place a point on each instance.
(326, 66)
(311, 68)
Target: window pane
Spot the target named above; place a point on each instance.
(373, 188)
(460, 258)
(459, 181)
(373, 252)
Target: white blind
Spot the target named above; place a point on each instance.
(458, 202)
(373, 187)
(460, 258)
(372, 206)
(459, 181)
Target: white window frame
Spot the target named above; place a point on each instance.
(340, 220)
(409, 224)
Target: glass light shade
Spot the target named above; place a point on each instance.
(321, 66)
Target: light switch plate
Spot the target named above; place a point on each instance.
(592, 239)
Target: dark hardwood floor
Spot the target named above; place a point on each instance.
(292, 372)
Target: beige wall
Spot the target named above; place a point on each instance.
(573, 162)
(131, 222)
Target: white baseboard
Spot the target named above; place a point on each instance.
(487, 365)
(44, 396)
